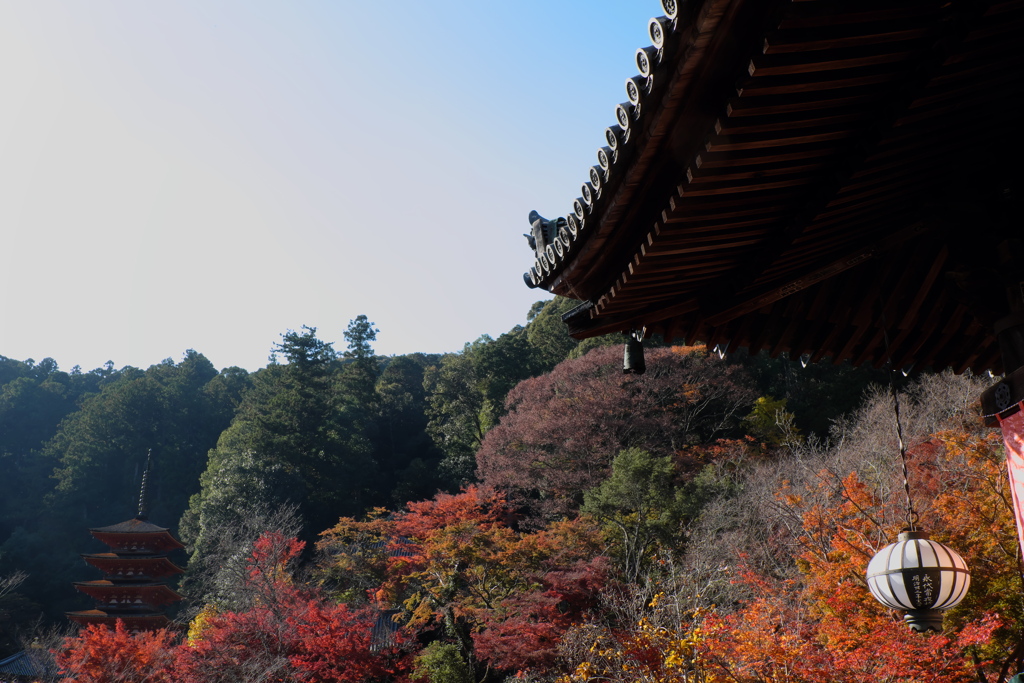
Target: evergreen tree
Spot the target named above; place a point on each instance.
(100, 450)
(357, 389)
(406, 455)
(457, 421)
(547, 333)
(296, 438)
(640, 504)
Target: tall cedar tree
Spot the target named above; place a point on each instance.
(290, 441)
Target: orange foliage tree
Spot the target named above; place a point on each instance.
(100, 654)
(822, 623)
(460, 568)
(290, 634)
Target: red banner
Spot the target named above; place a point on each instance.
(1013, 438)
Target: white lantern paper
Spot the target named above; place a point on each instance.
(920, 577)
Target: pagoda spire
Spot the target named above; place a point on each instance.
(142, 514)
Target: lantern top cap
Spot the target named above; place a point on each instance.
(906, 535)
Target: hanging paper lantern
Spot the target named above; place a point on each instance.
(920, 577)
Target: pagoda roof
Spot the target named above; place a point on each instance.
(153, 620)
(156, 594)
(144, 536)
(805, 177)
(132, 526)
(155, 565)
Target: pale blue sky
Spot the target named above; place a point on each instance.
(208, 174)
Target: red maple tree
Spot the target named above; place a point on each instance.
(100, 654)
(563, 429)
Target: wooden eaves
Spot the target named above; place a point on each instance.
(809, 177)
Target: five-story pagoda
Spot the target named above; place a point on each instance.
(133, 588)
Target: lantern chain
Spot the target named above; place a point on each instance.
(912, 517)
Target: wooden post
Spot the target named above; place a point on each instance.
(1004, 397)
(1010, 330)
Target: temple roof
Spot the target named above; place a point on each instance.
(31, 664)
(807, 177)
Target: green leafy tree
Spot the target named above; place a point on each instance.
(11, 369)
(546, 332)
(356, 388)
(641, 505)
(359, 377)
(772, 423)
(33, 402)
(442, 663)
(500, 364)
(359, 334)
(101, 449)
(467, 392)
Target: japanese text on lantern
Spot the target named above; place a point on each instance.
(923, 589)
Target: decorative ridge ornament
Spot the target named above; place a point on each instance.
(920, 577)
(644, 92)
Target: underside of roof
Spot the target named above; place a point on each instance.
(133, 622)
(809, 177)
(130, 596)
(152, 566)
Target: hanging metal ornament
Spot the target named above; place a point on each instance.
(633, 362)
(915, 574)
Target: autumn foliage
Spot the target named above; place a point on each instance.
(819, 622)
(563, 429)
(750, 569)
(104, 655)
(290, 635)
(461, 570)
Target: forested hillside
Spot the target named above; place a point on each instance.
(519, 507)
(335, 432)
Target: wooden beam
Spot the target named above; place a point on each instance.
(827, 14)
(803, 102)
(785, 85)
(696, 175)
(775, 66)
(742, 186)
(781, 122)
(754, 157)
(752, 301)
(748, 141)
(796, 41)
